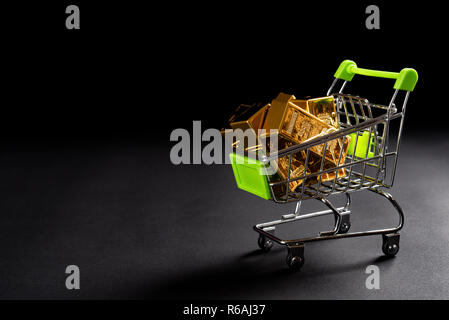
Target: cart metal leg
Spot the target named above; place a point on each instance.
(342, 217)
(295, 256)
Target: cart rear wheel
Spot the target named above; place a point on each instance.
(264, 243)
(390, 244)
(295, 263)
(344, 228)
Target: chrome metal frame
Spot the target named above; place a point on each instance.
(267, 228)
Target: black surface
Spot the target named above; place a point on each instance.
(85, 175)
(140, 227)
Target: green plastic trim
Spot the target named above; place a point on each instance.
(344, 71)
(247, 173)
(405, 80)
(364, 144)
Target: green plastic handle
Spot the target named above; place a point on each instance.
(405, 80)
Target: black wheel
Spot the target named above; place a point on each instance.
(390, 244)
(295, 263)
(264, 243)
(345, 226)
(390, 249)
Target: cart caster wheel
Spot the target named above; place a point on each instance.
(264, 243)
(295, 257)
(390, 250)
(390, 244)
(345, 226)
(295, 263)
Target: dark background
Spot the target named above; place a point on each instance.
(85, 172)
(137, 70)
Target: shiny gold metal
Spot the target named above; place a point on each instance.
(298, 125)
(255, 121)
(277, 111)
(295, 124)
(241, 113)
(315, 166)
(297, 167)
(299, 103)
(250, 118)
(324, 109)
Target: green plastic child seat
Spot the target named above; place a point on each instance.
(249, 175)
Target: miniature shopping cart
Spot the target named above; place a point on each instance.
(374, 132)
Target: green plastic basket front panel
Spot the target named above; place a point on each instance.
(362, 144)
(248, 175)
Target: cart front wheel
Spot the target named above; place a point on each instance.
(390, 244)
(264, 243)
(390, 250)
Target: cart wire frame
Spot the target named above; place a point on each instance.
(356, 115)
